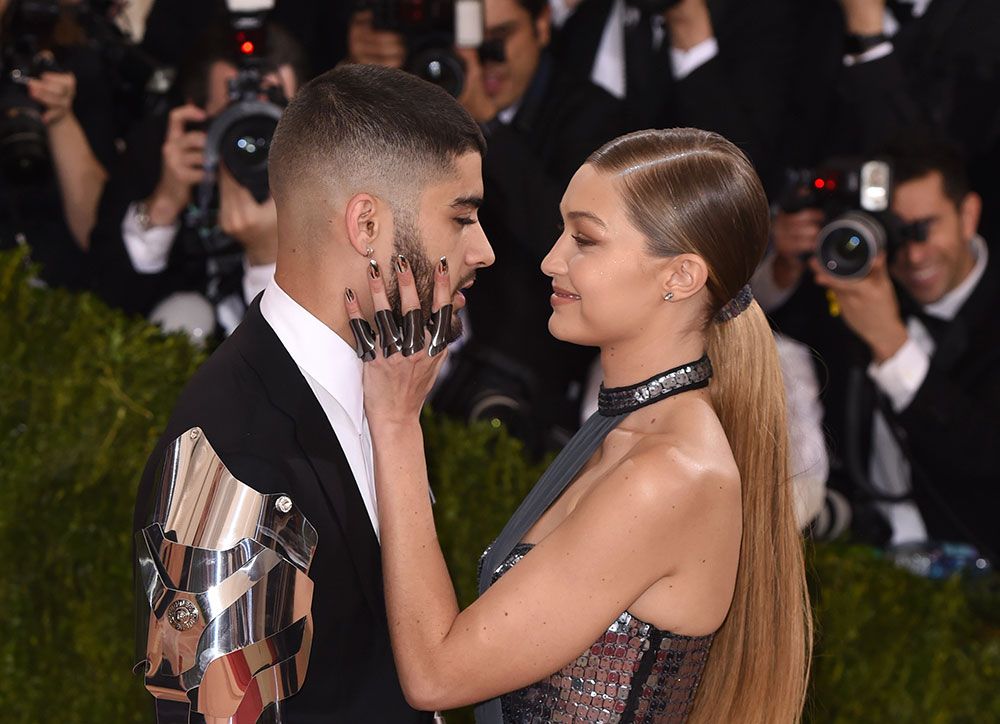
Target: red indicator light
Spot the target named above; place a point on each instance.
(831, 184)
(819, 183)
(246, 48)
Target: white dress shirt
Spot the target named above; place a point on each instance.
(333, 372)
(608, 71)
(890, 26)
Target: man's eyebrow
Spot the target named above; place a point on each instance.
(573, 215)
(472, 201)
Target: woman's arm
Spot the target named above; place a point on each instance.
(559, 599)
(81, 176)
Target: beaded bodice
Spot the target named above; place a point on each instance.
(634, 673)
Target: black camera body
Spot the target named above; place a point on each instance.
(854, 196)
(240, 136)
(24, 147)
(431, 29)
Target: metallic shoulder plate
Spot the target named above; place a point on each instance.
(225, 627)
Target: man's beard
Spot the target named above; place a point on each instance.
(408, 243)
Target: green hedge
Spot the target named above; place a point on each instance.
(84, 392)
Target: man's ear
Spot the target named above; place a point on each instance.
(969, 211)
(361, 216)
(684, 275)
(543, 27)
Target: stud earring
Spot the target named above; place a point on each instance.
(668, 296)
(369, 251)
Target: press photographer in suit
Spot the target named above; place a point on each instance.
(910, 351)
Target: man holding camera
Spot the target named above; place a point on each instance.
(911, 355)
(147, 246)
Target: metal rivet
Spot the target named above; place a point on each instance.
(284, 504)
(194, 434)
(182, 614)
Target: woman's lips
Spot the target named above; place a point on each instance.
(561, 296)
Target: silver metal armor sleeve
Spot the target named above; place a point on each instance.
(222, 578)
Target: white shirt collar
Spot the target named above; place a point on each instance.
(319, 352)
(947, 306)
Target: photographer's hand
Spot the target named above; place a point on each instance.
(794, 237)
(254, 225)
(183, 161)
(474, 98)
(81, 176)
(689, 22)
(367, 45)
(863, 17)
(869, 307)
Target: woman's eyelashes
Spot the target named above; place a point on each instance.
(582, 240)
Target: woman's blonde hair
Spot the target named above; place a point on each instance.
(693, 192)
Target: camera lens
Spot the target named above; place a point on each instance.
(24, 148)
(245, 145)
(440, 67)
(849, 244)
(241, 138)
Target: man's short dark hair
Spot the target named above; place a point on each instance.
(367, 128)
(917, 153)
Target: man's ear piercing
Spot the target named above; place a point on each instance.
(369, 251)
(668, 296)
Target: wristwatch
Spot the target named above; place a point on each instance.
(142, 214)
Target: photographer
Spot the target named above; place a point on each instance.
(910, 353)
(540, 125)
(868, 68)
(720, 65)
(57, 137)
(146, 242)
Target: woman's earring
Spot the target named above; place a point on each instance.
(369, 251)
(668, 296)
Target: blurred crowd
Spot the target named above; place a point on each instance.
(136, 168)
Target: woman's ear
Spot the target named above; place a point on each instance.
(362, 223)
(684, 276)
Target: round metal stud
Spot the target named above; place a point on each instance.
(284, 504)
(182, 614)
(194, 434)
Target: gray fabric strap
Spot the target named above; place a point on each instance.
(560, 474)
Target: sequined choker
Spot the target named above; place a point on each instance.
(622, 400)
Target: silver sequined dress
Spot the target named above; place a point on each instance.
(634, 674)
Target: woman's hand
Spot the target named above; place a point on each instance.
(56, 92)
(405, 362)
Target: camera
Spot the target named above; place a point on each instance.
(854, 196)
(431, 30)
(24, 147)
(240, 136)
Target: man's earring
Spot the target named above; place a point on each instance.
(668, 296)
(369, 251)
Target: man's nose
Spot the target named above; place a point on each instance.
(481, 251)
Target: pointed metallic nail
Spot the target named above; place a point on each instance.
(373, 270)
(440, 325)
(402, 265)
(349, 293)
(443, 265)
(364, 339)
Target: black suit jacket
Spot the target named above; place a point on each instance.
(741, 93)
(262, 418)
(950, 430)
